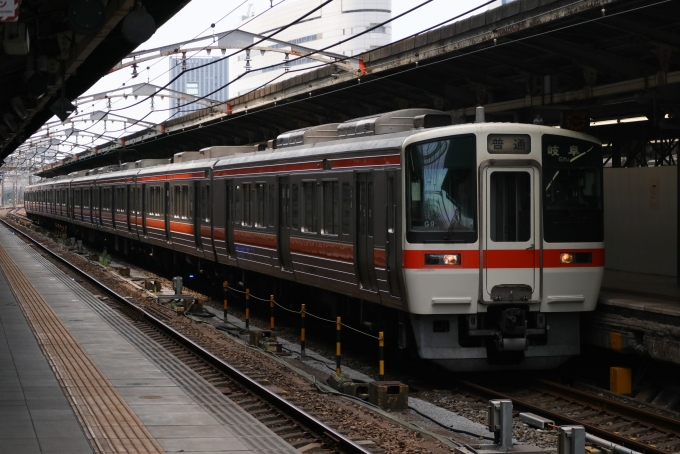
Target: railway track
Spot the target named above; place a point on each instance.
(617, 422)
(243, 385)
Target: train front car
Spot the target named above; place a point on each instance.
(504, 243)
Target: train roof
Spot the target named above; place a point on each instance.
(382, 142)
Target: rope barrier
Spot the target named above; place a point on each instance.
(267, 300)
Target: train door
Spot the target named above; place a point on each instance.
(511, 216)
(392, 237)
(283, 240)
(166, 210)
(364, 228)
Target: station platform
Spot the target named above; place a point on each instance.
(636, 313)
(77, 378)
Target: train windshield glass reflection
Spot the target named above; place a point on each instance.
(441, 191)
(572, 196)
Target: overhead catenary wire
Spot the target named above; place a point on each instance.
(303, 56)
(198, 35)
(375, 79)
(285, 27)
(368, 30)
(282, 103)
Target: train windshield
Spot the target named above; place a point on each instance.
(441, 191)
(572, 196)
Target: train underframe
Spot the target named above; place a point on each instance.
(507, 336)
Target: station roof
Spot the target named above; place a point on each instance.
(59, 49)
(567, 62)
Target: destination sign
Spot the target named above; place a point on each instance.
(508, 143)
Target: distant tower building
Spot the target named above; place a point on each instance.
(200, 82)
(334, 22)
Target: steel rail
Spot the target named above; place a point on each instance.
(654, 419)
(309, 421)
(562, 419)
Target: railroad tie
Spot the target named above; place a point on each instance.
(109, 423)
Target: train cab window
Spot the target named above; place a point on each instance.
(572, 190)
(295, 204)
(331, 208)
(309, 201)
(510, 205)
(259, 205)
(272, 205)
(346, 207)
(442, 191)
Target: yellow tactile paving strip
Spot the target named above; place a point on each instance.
(109, 423)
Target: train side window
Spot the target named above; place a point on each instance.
(272, 205)
(156, 194)
(331, 208)
(185, 202)
(246, 219)
(346, 207)
(295, 203)
(205, 203)
(259, 205)
(370, 208)
(309, 201)
(176, 201)
(202, 205)
(237, 204)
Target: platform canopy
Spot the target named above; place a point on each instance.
(54, 50)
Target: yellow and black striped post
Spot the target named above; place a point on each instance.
(247, 308)
(338, 326)
(302, 331)
(271, 312)
(226, 289)
(381, 354)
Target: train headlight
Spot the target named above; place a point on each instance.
(567, 258)
(442, 259)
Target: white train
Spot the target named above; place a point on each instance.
(484, 241)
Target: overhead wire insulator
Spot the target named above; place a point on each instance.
(286, 63)
(184, 61)
(248, 60)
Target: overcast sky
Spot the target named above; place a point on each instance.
(195, 19)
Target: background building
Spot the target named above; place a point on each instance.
(334, 22)
(200, 82)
